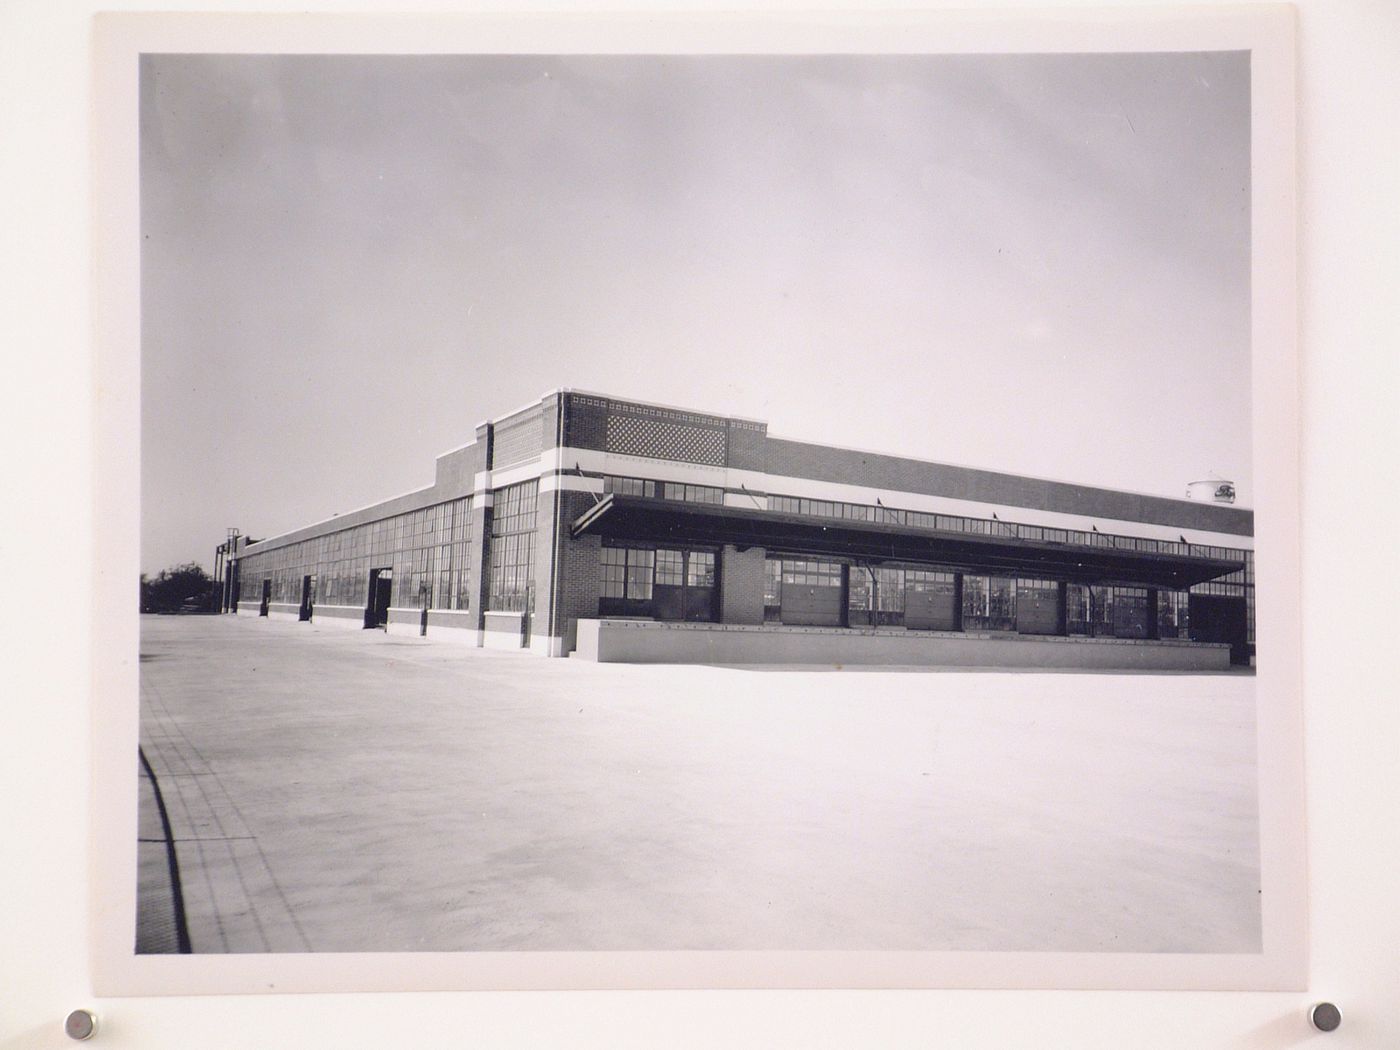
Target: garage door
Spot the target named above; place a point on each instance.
(812, 594)
(930, 601)
(1037, 607)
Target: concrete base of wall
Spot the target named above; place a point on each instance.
(405, 622)
(349, 617)
(502, 630)
(548, 645)
(453, 625)
(641, 641)
(283, 611)
(249, 608)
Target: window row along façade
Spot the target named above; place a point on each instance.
(617, 530)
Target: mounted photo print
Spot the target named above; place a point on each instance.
(698, 502)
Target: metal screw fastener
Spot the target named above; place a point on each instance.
(80, 1024)
(1325, 1017)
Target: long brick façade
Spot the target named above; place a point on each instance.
(583, 507)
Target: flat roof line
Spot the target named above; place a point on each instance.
(660, 404)
(1005, 473)
(345, 514)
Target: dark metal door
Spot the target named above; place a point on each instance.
(381, 584)
(1036, 614)
(685, 587)
(700, 578)
(930, 610)
(1219, 618)
(811, 605)
(814, 593)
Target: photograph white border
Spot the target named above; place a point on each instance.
(1267, 31)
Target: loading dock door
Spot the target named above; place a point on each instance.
(930, 601)
(266, 598)
(684, 587)
(1219, 618)
(813, 593)
(1038, 607)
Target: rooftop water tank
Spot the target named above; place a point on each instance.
(1212, 490)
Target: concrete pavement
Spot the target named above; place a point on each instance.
(344, 791)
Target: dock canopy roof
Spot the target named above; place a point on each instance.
(655, 521)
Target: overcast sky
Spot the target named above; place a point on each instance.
(1037, 264)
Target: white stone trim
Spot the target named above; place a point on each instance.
(746, 500)
(807, 488)
(487, 480)
(644, 467)
(571, 483)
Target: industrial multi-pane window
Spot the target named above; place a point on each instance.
(670, 568)
(811, 573)
(674, 490)
(613, 572)
(996, 527)
(1119, 612)
(418, 545)
(627, 572)
(937, 582)
(1077, 616)
(512, 562)
(1130, 612)
(1173, 614)
(692, 493)
(641, 567)
(1038, 590)
(989, 603)
(700, 570)
(772, 582)
(628, 486)
(887, 592)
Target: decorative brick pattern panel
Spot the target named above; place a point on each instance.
(741, 585)
(662, 439)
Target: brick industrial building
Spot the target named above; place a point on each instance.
(618, 530)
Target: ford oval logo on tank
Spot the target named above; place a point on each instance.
(1213, 490)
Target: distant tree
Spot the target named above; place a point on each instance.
(185, 588)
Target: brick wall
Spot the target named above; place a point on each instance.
(586, 422)
(580, 575)
(518, 439)
(847, 466)
(741, 585)
(746, 444)
(456, 470)
(637, 429)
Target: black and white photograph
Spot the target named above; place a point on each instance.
(709, 503)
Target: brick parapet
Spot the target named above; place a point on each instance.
(799, 459)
